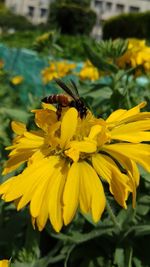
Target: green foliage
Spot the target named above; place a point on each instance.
(105, 53)
(9, 20)
(22, 39)
(127, 25)
(47, 42)
(118, 88)
(83, 3)
(72, 47)
(72, 19)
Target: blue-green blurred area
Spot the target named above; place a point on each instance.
(28, 64)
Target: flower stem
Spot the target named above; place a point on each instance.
(112, 215)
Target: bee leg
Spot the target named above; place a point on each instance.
(59, 110)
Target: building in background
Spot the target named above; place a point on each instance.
(108, 8)
(35, 10)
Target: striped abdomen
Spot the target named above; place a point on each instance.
(57, 99)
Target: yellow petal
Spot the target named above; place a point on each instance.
(38, 196)
(43, 214)
(14, 162)
(73, 153)
(140, 153)
(18, 127)
(55, 201)
(95, 130)
(118, 182)
(30, 140)
(44, 205)
(71, 193)
(4, 263)
(49, 106)
(123, 114)
(92, 197)
(87, 146)
(131, 169)
(25, 183)
(68, 126)
(44, 118)
(85, 197)
(41, 172)
(132, 132)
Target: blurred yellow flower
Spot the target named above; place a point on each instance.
(89, 72)
(67, 158)
(57, 70)
(132, 43)
(17, 80)
(4, 263)
(1, 64)
(138, 54)
(44, 37)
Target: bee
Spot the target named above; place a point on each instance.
(64, 101)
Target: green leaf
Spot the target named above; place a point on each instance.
(119, 257)
(144, 174)
(142, 230)
(88, 217)
(143, 205)
(123, 257)
(137, 262)
(98, 60)
(16, 114)
(78, 238)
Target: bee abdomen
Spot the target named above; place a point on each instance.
(56, 99)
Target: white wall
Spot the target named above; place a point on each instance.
(108, 8)
(32, 9)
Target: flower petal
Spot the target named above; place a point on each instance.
(18, 127)
(122, 115)
(118, 182)
(68, 126)
(132, 132)
(92, 195)
(140, 153)
(95, 130)
(71, 193)
(55, 201)
(44, 118)
(4, 263)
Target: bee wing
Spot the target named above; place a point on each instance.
(75, 88)
(75, 95)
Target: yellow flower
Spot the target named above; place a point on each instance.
(44, 37)
(138, 54)
(89, 72)
(57, 70)
(17, 80)
(1, 64)
(4, 263)
(133, 42)
(67, 160)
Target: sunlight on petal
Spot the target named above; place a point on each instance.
(140, 153)
(68, 126)
(55, 201)
(118, 182)
(94, 197)
(71, 193)
(18, 127)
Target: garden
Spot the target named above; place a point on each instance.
(74, 141)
